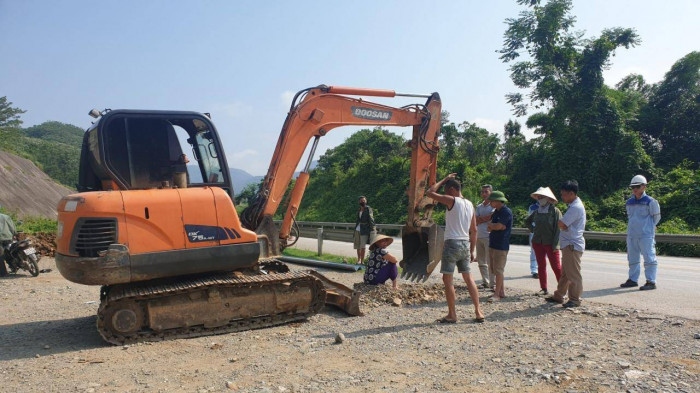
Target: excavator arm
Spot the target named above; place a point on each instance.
(316, 111)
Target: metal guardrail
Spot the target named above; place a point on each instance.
(343, 231)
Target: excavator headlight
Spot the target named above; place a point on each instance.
(70, 206)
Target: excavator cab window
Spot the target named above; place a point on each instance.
(142, 152)
(145, 152)
(207, 154)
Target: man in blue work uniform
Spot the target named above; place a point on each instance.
(643, 214)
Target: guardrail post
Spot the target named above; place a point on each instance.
(319, 237)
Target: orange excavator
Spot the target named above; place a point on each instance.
(163, 238)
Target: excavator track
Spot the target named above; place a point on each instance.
(206, 305)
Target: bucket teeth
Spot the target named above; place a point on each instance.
(414, 277)
(422, 251)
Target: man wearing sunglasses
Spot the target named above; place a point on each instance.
(643, 214)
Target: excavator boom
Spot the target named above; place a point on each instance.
(316, 111)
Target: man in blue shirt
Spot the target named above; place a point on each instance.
(499, 241)
(572, 243)
(643, 213)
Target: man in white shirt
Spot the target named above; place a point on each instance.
(460, 243)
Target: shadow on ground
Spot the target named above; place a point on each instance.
(44, 338)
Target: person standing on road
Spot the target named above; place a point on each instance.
(364, 228)
(7, 233)
(544, 239)
(572, 243)
(460, 243)
(483, 216)
(533, 258)
(381, 265)
(643, 214)
(499, 241)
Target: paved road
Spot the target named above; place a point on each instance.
(677, 281)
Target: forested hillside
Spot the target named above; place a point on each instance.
(54, 147)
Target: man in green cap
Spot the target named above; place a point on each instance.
(499, 241)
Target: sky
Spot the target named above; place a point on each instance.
(243, 61)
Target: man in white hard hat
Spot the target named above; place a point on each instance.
(643, 214)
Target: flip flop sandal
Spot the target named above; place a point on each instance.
(445, 320)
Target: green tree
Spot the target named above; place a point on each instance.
(10, 123)
(671, 120)
(583, 130)
(9, 116)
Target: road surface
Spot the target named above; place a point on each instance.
(603, 272)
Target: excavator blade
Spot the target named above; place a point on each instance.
(339, 295)
(422, 251)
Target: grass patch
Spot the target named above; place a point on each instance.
(297, 253)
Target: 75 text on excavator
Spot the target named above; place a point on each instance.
(163, 238)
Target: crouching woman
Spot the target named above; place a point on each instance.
(381, 265)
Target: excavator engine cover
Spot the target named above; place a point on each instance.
(422, 251)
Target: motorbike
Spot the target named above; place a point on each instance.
(21, 255)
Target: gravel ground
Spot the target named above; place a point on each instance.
(48, 342)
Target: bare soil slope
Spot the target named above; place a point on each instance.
(27, 190)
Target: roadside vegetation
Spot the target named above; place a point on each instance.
(297, 253)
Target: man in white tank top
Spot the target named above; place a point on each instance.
(460, 243)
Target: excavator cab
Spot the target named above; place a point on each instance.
(138, 150)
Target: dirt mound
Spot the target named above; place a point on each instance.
(44, 242)
(381, 295)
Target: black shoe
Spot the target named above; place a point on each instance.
(629, 284)
(543, 292)
(535, 275)
(569, 304)
(649, 285)
(551, 299)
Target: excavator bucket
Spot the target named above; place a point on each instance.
(339, 295)
(422, 251)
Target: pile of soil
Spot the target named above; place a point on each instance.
(44, 242)
(373, 296)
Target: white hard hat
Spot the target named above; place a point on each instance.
(637, 180)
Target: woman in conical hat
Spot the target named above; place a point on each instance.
(545, 235)
(381, 266)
